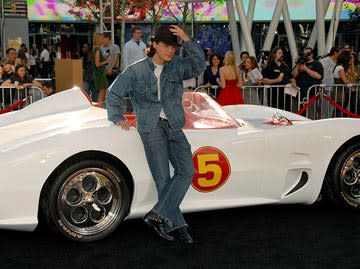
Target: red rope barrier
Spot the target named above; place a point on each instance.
(13, 106)
(307, 105)
(332, 101)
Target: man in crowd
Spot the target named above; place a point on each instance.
(307, 73)
(45, 62)
(88, 72)
(112, 52)
(160, 119)
(135, 48)
(11, 55)
(329, 62)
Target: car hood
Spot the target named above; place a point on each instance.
(63, 112)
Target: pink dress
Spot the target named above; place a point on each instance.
(231, 94)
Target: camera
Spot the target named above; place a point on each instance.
(301, 59)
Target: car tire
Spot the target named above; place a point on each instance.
(86, 201)
(342, 182)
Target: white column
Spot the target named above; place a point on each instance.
(320, 21)
(330, 41)
(244, 28)
(313, 36)
(233, 29)
(273, 25)
(249, 19)
(289, 32)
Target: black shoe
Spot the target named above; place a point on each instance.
(183, 235)
(157, 223)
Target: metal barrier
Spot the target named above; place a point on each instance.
(279, 96)
(332, 100)
(213, 91)
(12, 98)
(320, 101)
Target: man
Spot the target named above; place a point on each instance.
(135, 48)
(112, 52)
(155, 87)
(329, 63)
(52, 56)
(45, 62)
(307, 73)
(88, 72)
(11, 55)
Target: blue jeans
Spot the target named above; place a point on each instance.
(89, 87)
(162, 144)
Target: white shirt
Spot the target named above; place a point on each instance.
(45, 55)
(157, 73)
(133, 52)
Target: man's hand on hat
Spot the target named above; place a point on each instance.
(176, 30)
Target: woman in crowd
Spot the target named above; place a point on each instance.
(21, 81)
(99, 62)
(276, 72)
(251, 77)
(22, 59)
(7, 70)
(342, 75)
(212, 74)
(230, 81)
(33, 59)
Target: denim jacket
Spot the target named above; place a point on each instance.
(139, 82)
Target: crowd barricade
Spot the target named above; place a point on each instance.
(213, 91)
(12, 98)
(283, 97)
(44, 80)
(318, 102)
(333, 100)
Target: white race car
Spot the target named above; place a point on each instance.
(64, 163)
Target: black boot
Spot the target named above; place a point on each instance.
(183, 235)
(157, 223)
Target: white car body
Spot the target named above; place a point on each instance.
(267, 160)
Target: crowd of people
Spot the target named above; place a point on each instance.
(22, 69)
(224, 79)
(339, 66)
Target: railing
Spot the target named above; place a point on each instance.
(320, 101)
(213, 91)
(13, 98)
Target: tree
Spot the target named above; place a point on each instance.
(353, 8)
(155, 9)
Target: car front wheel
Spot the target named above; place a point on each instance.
(343, 178)
(87, 201)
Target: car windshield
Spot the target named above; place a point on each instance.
(202, 112)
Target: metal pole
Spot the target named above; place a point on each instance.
(2, 30)
(112, 21)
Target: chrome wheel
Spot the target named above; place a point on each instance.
(89, 201)
(350, 178)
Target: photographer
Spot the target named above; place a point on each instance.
(307, 73)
